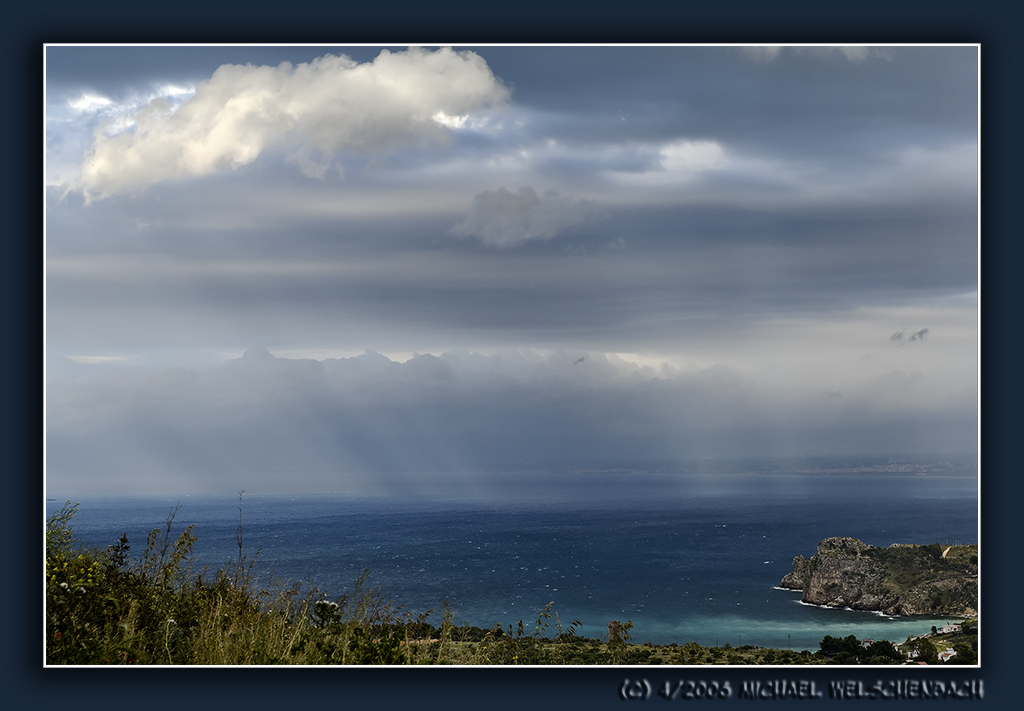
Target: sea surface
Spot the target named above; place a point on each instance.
(698, 562)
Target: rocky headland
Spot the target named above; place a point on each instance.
(903, 579)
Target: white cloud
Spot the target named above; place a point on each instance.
(450, 121)
(504, 219)
(88, 103)
(691, 155)
(176, 91)
(762, 53)
(854, 53)
(310, 111)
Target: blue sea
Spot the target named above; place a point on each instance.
(693, 561)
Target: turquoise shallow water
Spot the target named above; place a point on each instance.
(701, 563)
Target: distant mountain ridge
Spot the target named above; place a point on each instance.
(903, 579)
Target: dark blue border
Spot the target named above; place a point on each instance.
(30, 686)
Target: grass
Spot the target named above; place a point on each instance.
(104, 606)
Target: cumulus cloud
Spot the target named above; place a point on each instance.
(311, 111)
(504, 219)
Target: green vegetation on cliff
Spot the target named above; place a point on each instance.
(899, 580)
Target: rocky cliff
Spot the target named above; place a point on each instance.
(899, 580)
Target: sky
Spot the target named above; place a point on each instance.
(412, 270)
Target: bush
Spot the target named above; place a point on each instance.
(103, 608)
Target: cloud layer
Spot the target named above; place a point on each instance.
(793, 230)
(367, 422)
